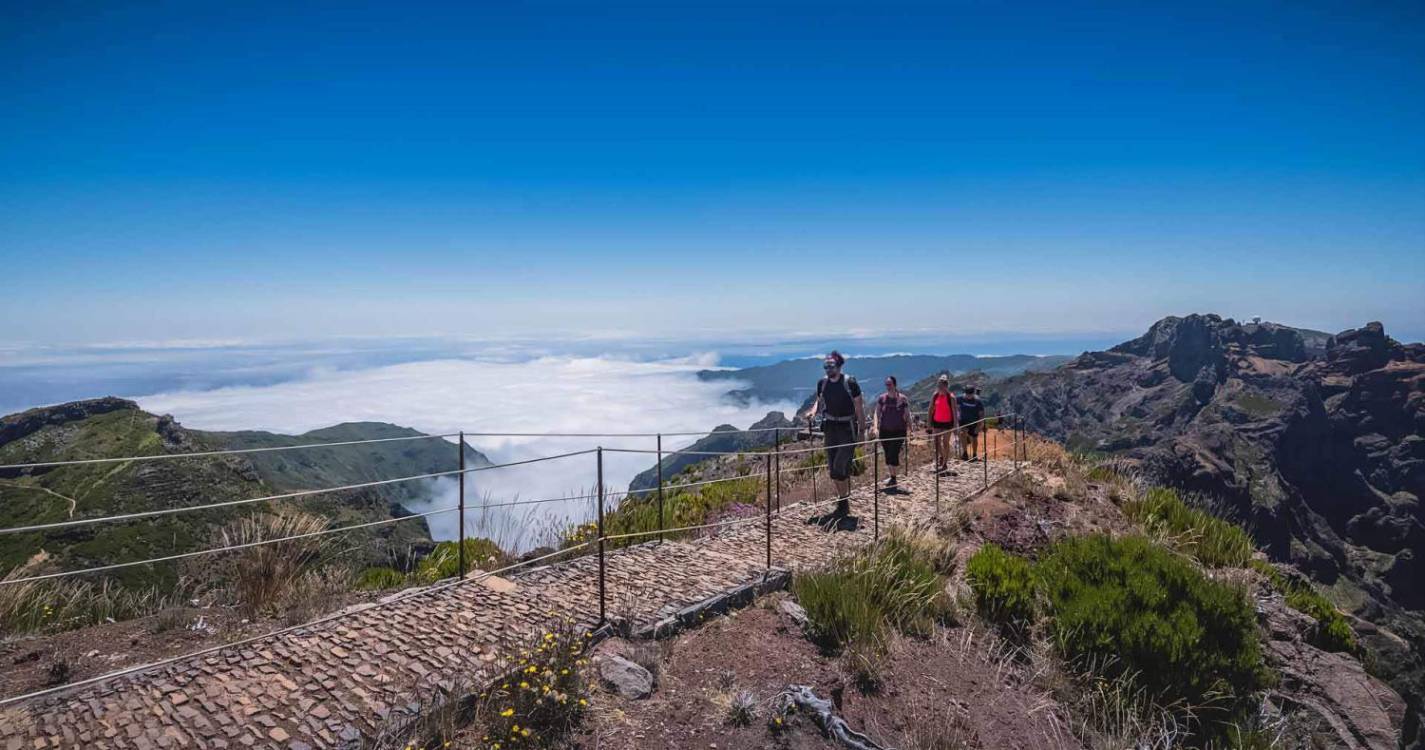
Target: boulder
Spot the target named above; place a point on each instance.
(794, 612)
(625, 678)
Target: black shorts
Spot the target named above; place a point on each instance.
(839, 449)
(973, 430)
(891, 442)
(941, 426)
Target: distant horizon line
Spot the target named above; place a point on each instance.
(742, 337)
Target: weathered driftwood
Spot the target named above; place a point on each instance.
(823, 712)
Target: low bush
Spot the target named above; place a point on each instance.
(1332, 631)
(894, 584)
(1214, 542)
(541, 701)
(692, 506)
(1003, 585)
(444, 561)
(378, 579)
(1128, 606)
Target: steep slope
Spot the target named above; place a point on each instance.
(109, 427)
(1320, 450)
(795, 379)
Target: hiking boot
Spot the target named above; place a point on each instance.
(891, 482)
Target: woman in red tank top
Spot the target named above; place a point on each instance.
(942, 421)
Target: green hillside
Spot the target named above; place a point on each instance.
(103, 428)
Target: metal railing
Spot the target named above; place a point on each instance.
(771, 458)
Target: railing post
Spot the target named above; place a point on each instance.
(876, 488)
(768, 461)
(602, 606)
(936, 444)
(660, 487)
(1014, 440)
(461, 450)
(985, 451)
(777, 449)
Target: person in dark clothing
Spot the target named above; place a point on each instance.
(891, 420)
(843, 419)
(972, 411)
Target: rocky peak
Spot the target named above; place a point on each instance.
(1196, 347)
(1361, 349)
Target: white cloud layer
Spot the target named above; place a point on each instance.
(550, 394)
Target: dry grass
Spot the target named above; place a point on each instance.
(59, 604)
(269, 577)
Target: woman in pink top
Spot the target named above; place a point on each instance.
(942, 422)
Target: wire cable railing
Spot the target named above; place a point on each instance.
(281, 496)
(601, 494)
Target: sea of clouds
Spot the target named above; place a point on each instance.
(485, 395)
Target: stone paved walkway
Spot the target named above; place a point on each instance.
(327, 686)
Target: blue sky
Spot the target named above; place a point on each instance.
(204, 170)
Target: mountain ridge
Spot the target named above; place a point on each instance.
(1319, 450)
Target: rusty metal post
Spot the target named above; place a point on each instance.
(461, 450)
(1014, 442)
(660, 487)
(602, 606)
(876, 487)
(936, 444)
(768, 461)
(985, 452)
(777, 449)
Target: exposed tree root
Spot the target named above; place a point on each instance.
(823, 712)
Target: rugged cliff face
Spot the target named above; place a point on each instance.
(1317, 445)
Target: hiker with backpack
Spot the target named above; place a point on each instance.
(972, 412)
(941, 421)
(891, 422)
(843, 419)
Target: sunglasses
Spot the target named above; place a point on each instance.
(828, 366)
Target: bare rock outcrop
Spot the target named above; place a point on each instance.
(1325, 694)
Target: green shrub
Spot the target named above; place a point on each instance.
(1003, 585)
(895, 584)
(1332, 632)
(693, 506)
(1130, 607)
(1213, 541)
(377, 579)
(444, 560)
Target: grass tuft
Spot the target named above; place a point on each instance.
(1214, 542)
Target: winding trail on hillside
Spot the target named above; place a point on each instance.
(329, 685)
(46, 490)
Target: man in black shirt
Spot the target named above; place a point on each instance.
(972, 411)
(843, 419)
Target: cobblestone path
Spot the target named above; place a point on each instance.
(326, 686)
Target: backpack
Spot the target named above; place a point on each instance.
(848, 383)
